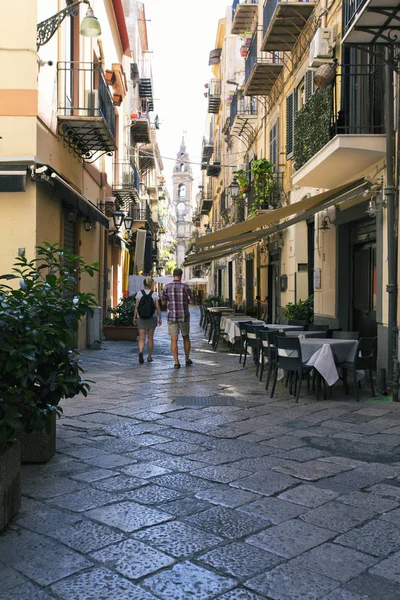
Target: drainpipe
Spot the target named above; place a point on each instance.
(390, 193)
(324, 13)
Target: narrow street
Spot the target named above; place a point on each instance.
(194, 484)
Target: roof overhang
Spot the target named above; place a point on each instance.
(13, 178)
(340, 159)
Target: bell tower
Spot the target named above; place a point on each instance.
(182, 180)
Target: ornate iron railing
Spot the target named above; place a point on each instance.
(349, 11)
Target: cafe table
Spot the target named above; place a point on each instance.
(231, 327)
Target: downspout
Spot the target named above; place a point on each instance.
(390, 193)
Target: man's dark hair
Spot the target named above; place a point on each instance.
(177, 272)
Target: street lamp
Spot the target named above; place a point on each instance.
(90, 27)
(87, 224)
(208, 229)
(118, 217)
(128, 223)
(234, 187)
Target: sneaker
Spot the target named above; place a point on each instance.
(141, 359)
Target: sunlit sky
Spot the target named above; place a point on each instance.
(181, 35)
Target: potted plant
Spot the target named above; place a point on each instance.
(38, 354)
(264, 183)
(118, 325)
(303, 310)
(242, 179)
(10, 457)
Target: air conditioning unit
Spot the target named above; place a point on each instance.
(321, 47)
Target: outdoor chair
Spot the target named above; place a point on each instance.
(267, 352)
(289, 358)
(201, 315)
(364, 357)
(211, 326)
(345, 335)
(251, 341)
(216, 330)
(207, 321)
(242, 338)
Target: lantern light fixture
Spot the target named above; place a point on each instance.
(87, 224)
(118, 218)
(234, 188)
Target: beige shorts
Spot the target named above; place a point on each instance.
(175, 328)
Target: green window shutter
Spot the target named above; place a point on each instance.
(290, 124)
(308, 85)
(273, 146)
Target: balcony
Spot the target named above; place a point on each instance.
(243, 116)
(214, 169)
(147, 160)
(370, 21)
(244, 13)
(206, 201)
(207, 151)
(339, 132)
(85, 113)
(140, 120)
(274, 192)
(141, 218)
(126, 182)
(146, 88)
(283, 23)
(214, 96)
(262, 69)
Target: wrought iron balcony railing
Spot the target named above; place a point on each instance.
(214, 96)
(85, 109)
(243, 14)
(261, 69)
(242, 106)
(273, 196)
(351, 8)
(353, 106)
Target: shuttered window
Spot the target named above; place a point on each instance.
(273, 146)
(308, 85)
(69, 239)
(290, 124)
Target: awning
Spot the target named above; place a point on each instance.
(67, 194)
(315, 203)
(234, 243)
(13, 178)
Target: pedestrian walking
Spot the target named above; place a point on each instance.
(147, 303)
(177, 295)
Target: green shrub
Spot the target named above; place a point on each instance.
(301, 310)
(38, 354)
(123, 313)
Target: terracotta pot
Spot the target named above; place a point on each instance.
(39, 446)
(10, 490)
(109, 76)
(122, 333)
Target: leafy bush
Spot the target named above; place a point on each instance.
(123, 313)
(218, 300)
(301, 310)
(38, 354)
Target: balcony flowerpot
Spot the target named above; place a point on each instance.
(244, 189)
(109, 76)
(10, 490)
(117, 99)
(121, 333)
(244, 50)
(39, 446)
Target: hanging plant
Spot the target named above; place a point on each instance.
(264, 183)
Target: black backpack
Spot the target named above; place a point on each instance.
(146, 307)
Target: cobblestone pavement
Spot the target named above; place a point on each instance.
(154, 494)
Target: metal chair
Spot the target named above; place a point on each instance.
(364, 357)
(289, 358)
(345, 335)
(201, 315)
(216, 330)
(267, 351)
(242, 337)
(251, 341)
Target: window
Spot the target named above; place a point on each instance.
(290, 111)
(182, 167)
(273, 146)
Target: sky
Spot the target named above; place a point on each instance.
(181, 34)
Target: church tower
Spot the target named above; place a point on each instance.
(182, 179)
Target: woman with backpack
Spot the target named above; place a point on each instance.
(147, 303)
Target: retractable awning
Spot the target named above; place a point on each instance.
(274, 216)
(232, 241)
(70, 196)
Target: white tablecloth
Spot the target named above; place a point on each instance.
(324, 354)
(232, 329)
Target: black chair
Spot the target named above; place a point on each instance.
(298, 322)
(345, 335)
(251, 341)
(364, 358)
(242, 337)
(267, 351)
(289, 358)
(216, 330)
(206, 320)
(211, 326)
(201, 315)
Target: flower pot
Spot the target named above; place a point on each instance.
(10, 491)
(109, 76)
(39, 446)
(117, 99)
(244, 50)
(325, 75)
(122, 333)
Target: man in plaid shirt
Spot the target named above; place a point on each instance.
(177, 294)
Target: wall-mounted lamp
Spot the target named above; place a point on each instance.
(90, 27)
(128, 221)
(208, 229)
(118, 218)
(326, 221)
(87, 224)
(234, 188)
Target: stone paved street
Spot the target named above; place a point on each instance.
(154, 494)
